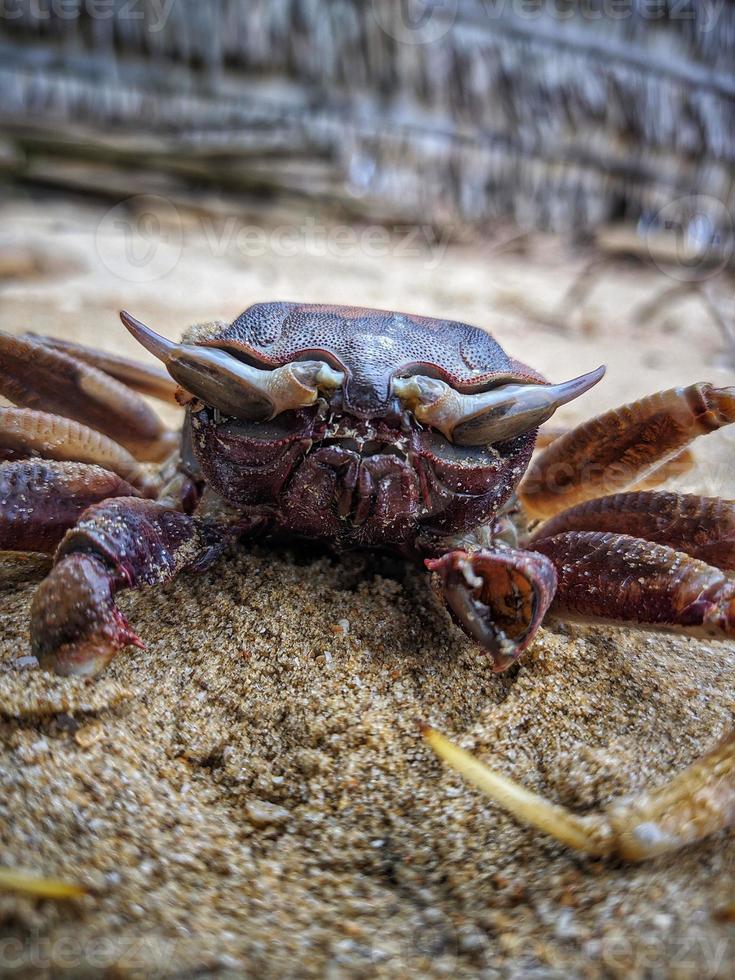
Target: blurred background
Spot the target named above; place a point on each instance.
(557, 171)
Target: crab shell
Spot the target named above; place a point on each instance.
(353, 471)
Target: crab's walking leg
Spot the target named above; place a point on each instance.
(148, 379)
(26, 433)
(498, 596)
(619, 578)
(703, 527)
(118, 544)
(40, 501)
(548, 434)
(698, 802)
(33, 375)
(623, 447)
(672, 468)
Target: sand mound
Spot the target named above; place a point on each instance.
(251, 792)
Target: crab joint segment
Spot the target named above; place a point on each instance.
(144, 378)
(223, 381)
(487, 416)
(122, 543)
(28, 433)
(38, 377)
(698, 802)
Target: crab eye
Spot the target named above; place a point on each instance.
(232, 386)
(486, 417)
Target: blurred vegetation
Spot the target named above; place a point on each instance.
(562, 116)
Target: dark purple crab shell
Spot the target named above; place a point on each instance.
(320, 480)
(372, 347)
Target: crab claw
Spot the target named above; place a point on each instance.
(484, 417)
(75, 626)
(498, 597)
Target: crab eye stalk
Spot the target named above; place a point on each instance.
(487, 416)
(230, 385)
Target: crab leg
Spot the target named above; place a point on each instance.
(148, 379)
(33, 375)
(698, 802)
(497, 596)
(122, 543)
(26, 433)
(40, 501)
(703, 527)
(673, 467)
(619, 578)
(623, 447)
(548, 434)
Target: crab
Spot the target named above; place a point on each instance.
(382, 430)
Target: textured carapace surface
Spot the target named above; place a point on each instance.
(372, 346)
(358, 470)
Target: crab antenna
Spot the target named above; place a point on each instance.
(153, 342)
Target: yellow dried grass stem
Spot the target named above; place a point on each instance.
(28, 884)
(582, 833)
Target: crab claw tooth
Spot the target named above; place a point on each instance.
(127, 635)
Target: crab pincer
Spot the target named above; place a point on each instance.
(122, 543)
(499, 597)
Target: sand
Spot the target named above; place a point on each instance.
(250, 795)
